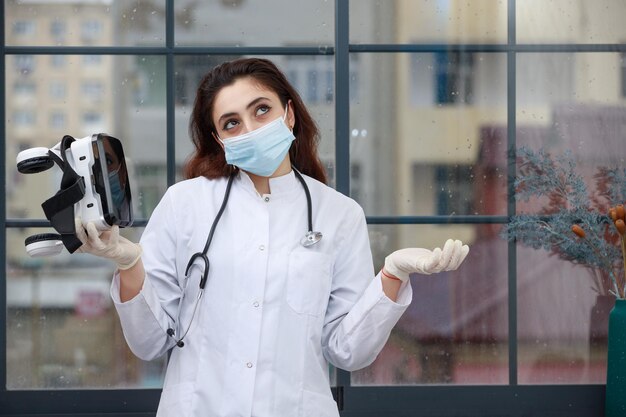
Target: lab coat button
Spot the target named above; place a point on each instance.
(261, 247)
(256, 304)
(249, 364)
(267, 199)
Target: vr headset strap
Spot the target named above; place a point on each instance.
(59, 209)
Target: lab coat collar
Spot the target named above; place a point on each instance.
(279, 186)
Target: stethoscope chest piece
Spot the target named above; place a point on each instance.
(311, 238)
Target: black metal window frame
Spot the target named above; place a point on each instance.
(477, 400)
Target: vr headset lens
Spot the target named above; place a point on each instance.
(111, 180)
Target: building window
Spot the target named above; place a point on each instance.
(24, 118)
(311, 87)
(453, 185)
(24, 64)
(92, 90)
(57, 120)
(57, 89)
(58, 28)
(355, 82)
(190, 70)
(24, 88)
(24, 28)
(90, 30)
(92, 60)
(313, 77)
(356, 181)
(454, 77)
(57, 61)
(92, 118)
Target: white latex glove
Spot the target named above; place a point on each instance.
(403, 262)
(108, 244)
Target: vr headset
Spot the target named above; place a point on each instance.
(94, 186)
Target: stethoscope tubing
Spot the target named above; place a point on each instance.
(203, 255)
(309, 205)
(306, 242)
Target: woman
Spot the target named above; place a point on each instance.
(276, 308)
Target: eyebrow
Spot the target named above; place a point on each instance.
(251, 104)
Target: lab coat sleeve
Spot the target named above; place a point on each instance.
(146, 317)
(359, 317)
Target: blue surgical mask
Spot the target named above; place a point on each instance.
(262, 150)
(117, 194)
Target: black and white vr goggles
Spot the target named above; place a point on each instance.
(94, 186)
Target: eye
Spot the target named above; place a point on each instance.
(230, 124)
(262, 109)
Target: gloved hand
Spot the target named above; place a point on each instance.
(108, 244)
(403, 262)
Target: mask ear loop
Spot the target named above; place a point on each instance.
(287, 113)
(294, 144)
(231, 169)
(217, 139)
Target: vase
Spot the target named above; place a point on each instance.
(599, 321)
(615, 399)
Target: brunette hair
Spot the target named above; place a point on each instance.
(208, 158)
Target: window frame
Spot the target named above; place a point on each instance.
(480, 400)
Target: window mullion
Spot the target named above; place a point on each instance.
(511, 207)
(170, 93)
(3, 231)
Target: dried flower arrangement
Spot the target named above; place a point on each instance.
(582, 227)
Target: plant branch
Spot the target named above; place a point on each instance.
(608, 266)
(623, 239)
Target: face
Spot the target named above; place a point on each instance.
(245, 106)
(112, 160)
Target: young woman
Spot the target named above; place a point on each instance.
(253, 270)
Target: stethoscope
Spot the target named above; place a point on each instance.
(309, 239)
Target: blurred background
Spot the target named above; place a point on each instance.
(428, 137)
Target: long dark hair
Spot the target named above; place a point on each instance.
(208, 158)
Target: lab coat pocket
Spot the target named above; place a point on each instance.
(176, 400)
(308, 282)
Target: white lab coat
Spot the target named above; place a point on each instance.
(273, 314)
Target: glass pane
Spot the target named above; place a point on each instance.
(49, 96)
(546, 82)
(456, 329)
(434, 139)
(313, 78)
(62, 329)
(427, 21)
(254, 22)
(562, 321)
(85, 23)
(571, 107)
(567, 21)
